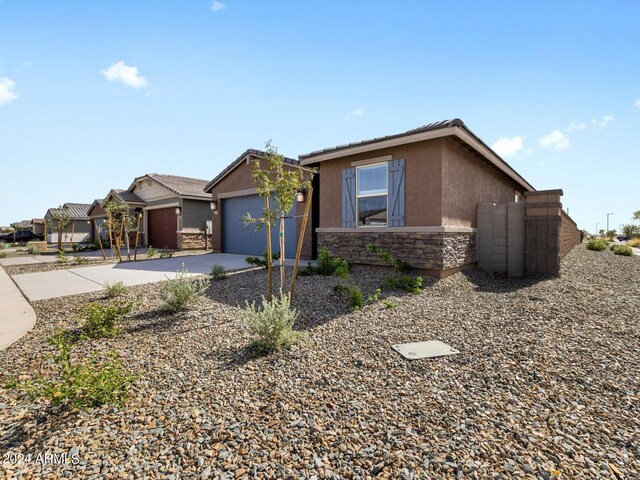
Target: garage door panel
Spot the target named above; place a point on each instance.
(162, 225)
(244, 239)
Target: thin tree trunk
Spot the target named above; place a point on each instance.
(97, 230)
(60, 232)
(269, 250)
(282, 253)
(73, 231)
(303, 228)
(120, 239)
(135, 252)
(110, 234)
(126, 239)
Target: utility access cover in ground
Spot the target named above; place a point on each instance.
(416, 350)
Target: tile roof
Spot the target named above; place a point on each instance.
(127, 197)
(181, 186)
(456, 122)
(76, 211)
(229, 168)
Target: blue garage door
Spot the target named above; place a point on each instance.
(242, 239)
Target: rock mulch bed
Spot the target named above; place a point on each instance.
(547, 383)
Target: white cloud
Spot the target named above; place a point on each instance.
(358, 112)
(573, 127)
(555, 140)
(216, 6)
(637, 104)
(508, 147)
(606, 120)
(123, 73)
(7, 91)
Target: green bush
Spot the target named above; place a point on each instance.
(597, 245)
(272, 323)
(3, 254)
(262, 261)
(151, 252)
(218, 272)
(82, 260)
(398, 280)
(327, 265)
(180, 293)
(389, 304)
(622, 250)
(33, 250)
(399, 266)
(354, 295)
(100, 321)
(84, 385)
(61, 257)
(166, 254)
(115, 289)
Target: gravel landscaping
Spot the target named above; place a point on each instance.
(546, 385)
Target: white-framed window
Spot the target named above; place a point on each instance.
(371, 195)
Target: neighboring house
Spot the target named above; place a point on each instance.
(175, 210)
(37, 225)
(415, 194)
(78, 230)
(233, 195)
(98, 214)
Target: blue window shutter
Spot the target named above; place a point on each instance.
(396, 193)
(349, 197)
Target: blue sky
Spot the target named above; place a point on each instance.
(93, 94)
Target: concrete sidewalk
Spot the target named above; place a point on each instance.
(16, 315)
(73, 281)
(27, 260)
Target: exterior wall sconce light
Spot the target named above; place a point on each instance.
(178, 211)
(214, 205)
(300, 196)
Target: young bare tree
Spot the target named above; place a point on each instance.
(61, 220)
(118, 224)
(282, 184)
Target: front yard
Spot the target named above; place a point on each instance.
(547, 383)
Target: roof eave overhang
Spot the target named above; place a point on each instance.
(456, 131)
(209, 186)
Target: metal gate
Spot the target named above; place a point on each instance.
(502, 238)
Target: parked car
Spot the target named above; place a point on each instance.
(20, 236)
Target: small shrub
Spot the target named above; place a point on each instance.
(272, 323)
(33, 250)
(634, 242)
(375, 297)
(82, 260)
(179, 293)
(389, 304)
(262, 261)
(407, 283)
(61, 257)
(166, 254)
(218, 272)
(622, 250)
(597, 245)
(84, 385)
(99, 321)
(399, 266)
(151, 252)
(115, 289)
(3, 254)
(327, 265)
(354, 295)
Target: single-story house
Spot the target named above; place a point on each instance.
(176, 210)
(98, 213)
(37, 226)
(415, 194)
(79, 228)
(233, 195)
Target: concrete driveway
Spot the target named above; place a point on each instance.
(73, 281)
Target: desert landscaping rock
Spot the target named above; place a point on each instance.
(547, 383)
